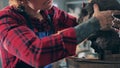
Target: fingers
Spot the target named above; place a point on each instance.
(116, 23)
(96, 8)
(116, 12)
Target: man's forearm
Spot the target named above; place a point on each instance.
(86, 28)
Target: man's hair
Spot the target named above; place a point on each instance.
(16, 2)
(105, 42)
(103, 5)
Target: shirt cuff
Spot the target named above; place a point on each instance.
(69, 40)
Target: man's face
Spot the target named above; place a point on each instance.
(42, 4)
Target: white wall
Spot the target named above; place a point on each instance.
(61, 4)
(3, 3)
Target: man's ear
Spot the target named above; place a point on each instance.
(83, 5)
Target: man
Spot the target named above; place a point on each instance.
(34, 33)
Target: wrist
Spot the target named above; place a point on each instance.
(84, 29)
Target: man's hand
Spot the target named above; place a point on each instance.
(116, 21)
(105, 17)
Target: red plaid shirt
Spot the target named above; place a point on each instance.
(21, 47)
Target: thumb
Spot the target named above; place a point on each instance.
(96, 8)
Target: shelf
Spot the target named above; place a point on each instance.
(76, 2)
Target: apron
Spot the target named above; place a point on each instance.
(44, 33)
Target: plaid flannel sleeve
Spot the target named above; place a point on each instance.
(22, 42)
